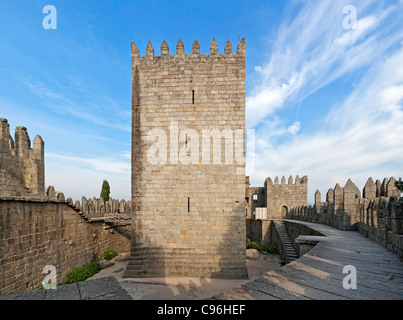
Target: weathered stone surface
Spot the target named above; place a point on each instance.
(252, 254)
(122, 257)
(22, 168)
(39, 232)
(188, 199)
(277, 198)
(375, 216)
(107, 288)
(105, 264)
(319, 274)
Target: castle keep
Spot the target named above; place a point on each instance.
(188, 179)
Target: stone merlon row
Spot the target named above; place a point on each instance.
(180, 48)
(371, 190)
(298, 180)
(91, 207)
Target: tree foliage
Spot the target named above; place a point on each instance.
(106, 190)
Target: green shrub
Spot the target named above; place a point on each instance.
(110, 254)
(253, 245)
(81, 274)
(272, 248)
(77, 275)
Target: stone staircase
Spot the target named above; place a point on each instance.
(289, 250)
(156, 262)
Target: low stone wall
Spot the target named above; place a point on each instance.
(298, 229)
(381, 220)
(265, 232)
(275, 238)
(39, 232)
(259, 230)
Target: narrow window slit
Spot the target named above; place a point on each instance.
(188, 204)
(193, 97)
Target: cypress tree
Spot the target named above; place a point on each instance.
(106, 190)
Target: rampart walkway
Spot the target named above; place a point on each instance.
(319, 273)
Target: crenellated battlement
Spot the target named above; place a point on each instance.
(22, 168)
(278, 196)
(344, 206)
(290, 181)
(165, 56)
(196, 92)
(377, 213)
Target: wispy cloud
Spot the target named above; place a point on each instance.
(361, 135)
(79, 176)
(95, 107)
(106, 164)
(311, 51)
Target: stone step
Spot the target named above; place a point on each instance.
(178, 271)
(180, 264)
(289, 249)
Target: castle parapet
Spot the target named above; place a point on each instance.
(22, 168)
(180, 52)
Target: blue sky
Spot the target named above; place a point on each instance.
(324, 101)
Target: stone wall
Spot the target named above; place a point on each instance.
(22, 168)
(38, 229)
(282, 197)
(277, 197)
(260, 231)
(297, 229)
(39, 232)
(189, 212)
(381, 220)
(96, 207)
(255, 198)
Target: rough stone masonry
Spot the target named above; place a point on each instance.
(188, 201)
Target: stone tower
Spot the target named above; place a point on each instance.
(283, 196)
(188, 165)
(22, 168)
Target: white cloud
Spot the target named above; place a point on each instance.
(311, 51)
(76, 176)
(294, 128)
(89, 104)
(360, 136)
(363, 137)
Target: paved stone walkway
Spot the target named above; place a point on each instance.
(107, 288)
(319, 273)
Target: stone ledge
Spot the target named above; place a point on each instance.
(31, 199)
(107, 288)
(311, 240)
